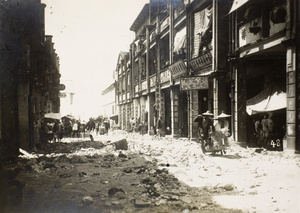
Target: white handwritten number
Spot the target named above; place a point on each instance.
(275, 144)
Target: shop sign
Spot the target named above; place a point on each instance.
(177, 69)
(62, 95)
(194, 83)
(61, 87)
(165, 76)
(144, 85)
(153, 81)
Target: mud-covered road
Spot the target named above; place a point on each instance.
(139, 174)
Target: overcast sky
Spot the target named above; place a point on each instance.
(88, 36)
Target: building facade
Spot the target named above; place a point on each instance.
(29, 78)
(193, 56)
(263, 68)
(110, 109)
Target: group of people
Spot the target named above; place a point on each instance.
(55, 130)
(263, 129)
(51, 131)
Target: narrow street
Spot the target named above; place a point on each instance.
(122, 172)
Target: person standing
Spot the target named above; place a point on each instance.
(159, 126)
(222, 128)
(258, 132)
(75, 129)
(97, 125)
(207, 127)
(265, 130)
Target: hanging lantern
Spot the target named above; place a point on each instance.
(278, 15)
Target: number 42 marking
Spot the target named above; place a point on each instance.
(276, 143)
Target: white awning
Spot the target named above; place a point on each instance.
(236, 4)
(52, 115)
(268, 100)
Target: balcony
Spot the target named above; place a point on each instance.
(201, 61)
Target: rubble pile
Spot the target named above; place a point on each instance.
(123, 172)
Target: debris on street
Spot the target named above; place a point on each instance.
(128, 172)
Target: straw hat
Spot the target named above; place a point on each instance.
(223, 115)
(208, 113)
(198, 118)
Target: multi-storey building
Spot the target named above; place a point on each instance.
(176, 68)
(110, 109)
(263, 64)
(29, 77)
(193, 56)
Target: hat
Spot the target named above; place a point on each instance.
(223, 115)
(198, 118)
(208, 113)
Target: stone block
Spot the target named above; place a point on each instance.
(121, 144)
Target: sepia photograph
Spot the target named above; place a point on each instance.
(150, 106)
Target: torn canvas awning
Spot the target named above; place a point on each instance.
(237, 4)
(270, 99)
(180, 40)
(52, 115)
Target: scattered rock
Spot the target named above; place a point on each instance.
(96, 173)
(49, 165)
(106, 165)
(141, 204)
(121, 155)
(121, 144)
(142, 170)
(186, 199)
(81, 174)
(161, 202)
(112, 191)
(65, 175)
(87, 200)
(152, 171)
(229, 187)
(127, 170)
(186, 211)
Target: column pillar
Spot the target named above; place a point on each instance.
(240, 110)
(194, 100)
(291, 98)
(174, 112)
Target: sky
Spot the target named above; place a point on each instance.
(88, 36)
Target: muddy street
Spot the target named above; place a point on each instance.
(123, 172)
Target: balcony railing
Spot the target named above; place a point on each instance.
(201, 61)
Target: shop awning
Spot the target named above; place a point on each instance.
(271, 99)
(70, 117)
(114, 116)
(55, 116)
(236, 4)
(180, 40)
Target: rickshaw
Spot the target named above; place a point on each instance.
(210, 139)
